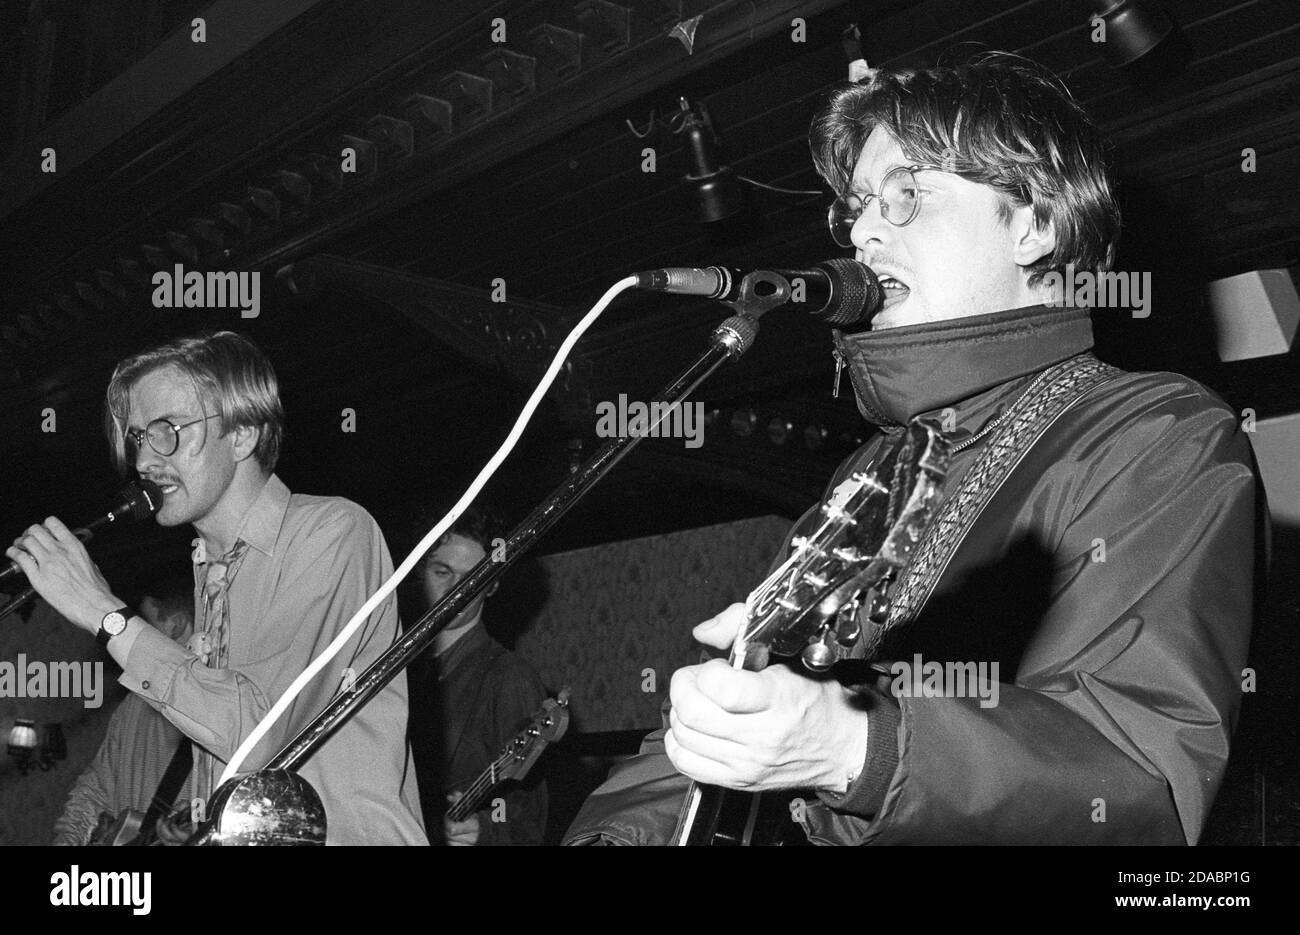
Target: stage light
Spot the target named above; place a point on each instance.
(1141, 39)
(715, 191)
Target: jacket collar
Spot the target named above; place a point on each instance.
(900, 373)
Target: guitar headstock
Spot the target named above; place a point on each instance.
(869, 528)
(548, 725)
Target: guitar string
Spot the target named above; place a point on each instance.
(478, 787)
(796, 556)
(458, 812)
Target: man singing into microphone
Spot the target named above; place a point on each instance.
(277, 576)
(1103, 537)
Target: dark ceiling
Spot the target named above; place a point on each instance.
(516, 160)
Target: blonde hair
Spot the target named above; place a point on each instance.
(231, 375)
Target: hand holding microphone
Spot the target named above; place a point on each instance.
(58, 567)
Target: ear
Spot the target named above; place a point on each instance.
(1030, 242)
(244, 439)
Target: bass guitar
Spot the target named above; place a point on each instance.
(517, 757)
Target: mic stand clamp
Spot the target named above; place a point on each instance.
(759, 293)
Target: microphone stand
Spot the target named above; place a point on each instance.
(729, 340)
(274, 805)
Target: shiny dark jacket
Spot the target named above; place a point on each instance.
(1121, 678)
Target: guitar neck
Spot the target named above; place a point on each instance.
(484, 784)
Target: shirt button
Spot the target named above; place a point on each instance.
(144, 685)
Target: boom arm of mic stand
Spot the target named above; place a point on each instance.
(729, 340)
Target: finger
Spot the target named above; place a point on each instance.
(725, 748)
(734, 690)
(720, 631)
(454, 797)
(60, 531)
(23, 558)
(39, 541)
(693, 708)
(698, 767)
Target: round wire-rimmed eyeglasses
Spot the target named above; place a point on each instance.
(900, 202)
(163, 435)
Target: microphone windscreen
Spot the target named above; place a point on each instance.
(857, 293)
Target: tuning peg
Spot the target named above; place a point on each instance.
(847, 630)
(878, 607)
(821, 652)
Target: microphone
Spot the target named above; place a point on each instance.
(137, 500)
(840, 292)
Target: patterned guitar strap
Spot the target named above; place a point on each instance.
(1046, 399)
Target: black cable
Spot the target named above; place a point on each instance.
(778, 189)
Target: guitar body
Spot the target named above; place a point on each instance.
(117, 832)
(726, 818)
(813, 604)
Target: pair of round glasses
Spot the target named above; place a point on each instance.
(900, 202)
(163, 436)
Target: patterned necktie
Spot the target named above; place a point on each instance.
(212, 645)
(216, 605)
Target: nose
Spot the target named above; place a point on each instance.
(146, 459)
(870, 227)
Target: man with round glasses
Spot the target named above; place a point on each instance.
(277, 575)
(1071, 671)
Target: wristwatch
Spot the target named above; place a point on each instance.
(114, 622)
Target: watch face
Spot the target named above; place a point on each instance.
(114, 623)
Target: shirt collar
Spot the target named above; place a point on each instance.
(472, 641)
(260, 527)
(900, 373)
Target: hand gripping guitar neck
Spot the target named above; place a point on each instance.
(809, 606)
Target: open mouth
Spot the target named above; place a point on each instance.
(895, 291)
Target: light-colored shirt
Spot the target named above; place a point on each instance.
(124, 774)
(311, 562)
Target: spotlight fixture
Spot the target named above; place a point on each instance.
(1141, 39)
(814, 436)
(779, 429)
(743, 422)
(714, 188)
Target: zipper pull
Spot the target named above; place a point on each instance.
(839, 368)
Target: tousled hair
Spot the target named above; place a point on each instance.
(232, 376)
(998, 119)
(475, 523)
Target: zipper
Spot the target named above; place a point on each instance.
(839, 369)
